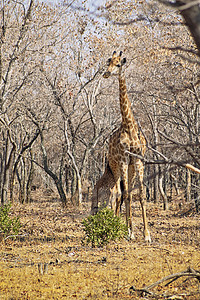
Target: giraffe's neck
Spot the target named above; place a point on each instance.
(128, 120)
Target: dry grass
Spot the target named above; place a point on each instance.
(52, 235)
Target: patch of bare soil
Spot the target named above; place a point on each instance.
(48, 260)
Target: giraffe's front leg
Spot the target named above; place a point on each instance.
(140, 169)
(127, 200)
(131, 180)
(147, 236)
(130, 221)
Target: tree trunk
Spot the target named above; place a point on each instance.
(24, 148)
(6, 165)
(197, 192)
(188, 186)
(67, 176)
(156, 184)
(57, 181)
(156, 167)
(29, 178)
(191, 13)
(162, 193)
(73, 182)
(79, 185)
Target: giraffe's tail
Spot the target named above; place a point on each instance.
(122, 193)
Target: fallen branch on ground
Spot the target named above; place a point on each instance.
(170, 278)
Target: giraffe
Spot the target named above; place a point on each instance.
(126, 139)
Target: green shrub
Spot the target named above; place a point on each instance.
(8, 225)
(103, 227)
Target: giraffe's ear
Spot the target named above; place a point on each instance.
(120, 53)
(114, 54)
(123, 61)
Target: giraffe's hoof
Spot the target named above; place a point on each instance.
(131, 235)
(147, 236)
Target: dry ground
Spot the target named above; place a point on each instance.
(51, 236)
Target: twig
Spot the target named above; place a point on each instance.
(14, 235)
(189, 5)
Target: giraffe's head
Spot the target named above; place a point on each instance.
(114, 64)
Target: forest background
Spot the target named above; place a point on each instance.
(57, 112)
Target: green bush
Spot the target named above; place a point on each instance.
(8, 225)
(103, 227)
